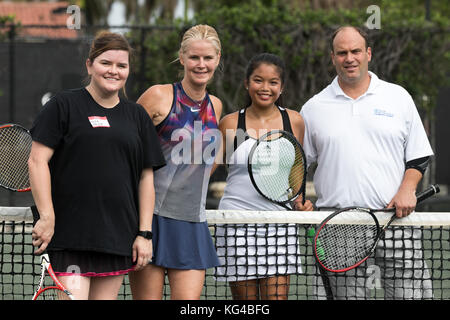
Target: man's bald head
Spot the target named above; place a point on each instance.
(361, 32)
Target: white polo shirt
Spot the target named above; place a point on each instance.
(361, 145)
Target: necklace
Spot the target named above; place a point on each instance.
(198, 103)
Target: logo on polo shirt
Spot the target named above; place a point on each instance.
(384, 113)
(99, 122)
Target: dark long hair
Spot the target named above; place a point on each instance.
(270, 59)
(104, 41)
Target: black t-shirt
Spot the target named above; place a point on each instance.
(99, 155)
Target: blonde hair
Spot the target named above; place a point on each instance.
(201, 32)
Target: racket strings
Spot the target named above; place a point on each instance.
(341, 246)
(278, 167)
(15, 146)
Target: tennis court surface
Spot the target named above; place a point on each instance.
(264, 244)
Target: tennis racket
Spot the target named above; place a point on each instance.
(341, 247)
(15, 148)
(56, 290)
(277, 167)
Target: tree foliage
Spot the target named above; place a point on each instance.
(407, 49)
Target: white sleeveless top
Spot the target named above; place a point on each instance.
(239, 193)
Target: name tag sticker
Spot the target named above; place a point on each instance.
(99, 122)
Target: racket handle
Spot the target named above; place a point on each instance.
(310, 235)
(321, 255)
(432, 190)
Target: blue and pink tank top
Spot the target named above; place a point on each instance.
(189, 138)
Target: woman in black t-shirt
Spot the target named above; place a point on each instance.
(92, 158)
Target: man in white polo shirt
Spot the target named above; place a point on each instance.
(371, 150)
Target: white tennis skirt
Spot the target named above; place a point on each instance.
(254, 251)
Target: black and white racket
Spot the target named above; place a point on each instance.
(277, 167)
(339, 247)
(54, 291)
(15, 148)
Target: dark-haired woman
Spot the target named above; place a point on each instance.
(91, 172)
(257, 260)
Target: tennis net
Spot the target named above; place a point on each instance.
(411, 262)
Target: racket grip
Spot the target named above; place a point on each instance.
(320, 251)
(432, 190)
(35, 213)
(310, 234)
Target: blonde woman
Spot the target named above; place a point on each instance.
(185, 115)
(91, 162)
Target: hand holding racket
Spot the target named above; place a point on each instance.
(56, 291)
(42, 233)
(342, 247)
(15, 148)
